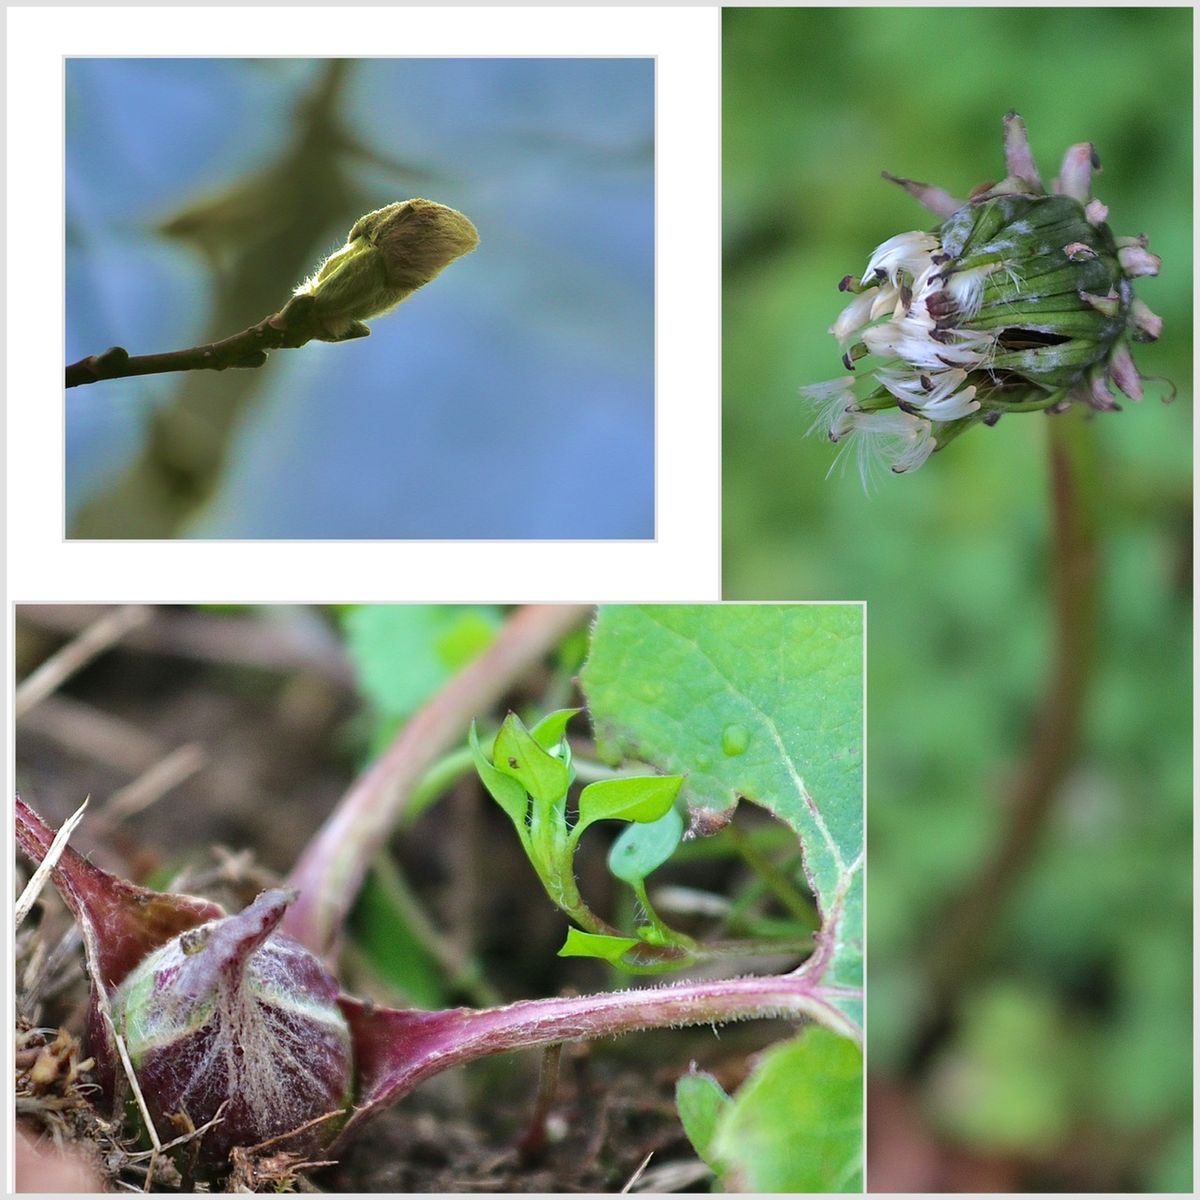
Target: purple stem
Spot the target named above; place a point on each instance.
(397, 1049)
(330, 872)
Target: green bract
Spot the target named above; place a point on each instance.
(642, 849)
(596, 945)
(631, 799)
(518, 754)
(1019, 301)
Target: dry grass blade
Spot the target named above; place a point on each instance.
(37, 881)
(131, 1078)
(632, 1180)
(184, 1138)
(674, 1177)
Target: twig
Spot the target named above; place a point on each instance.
(181, 764)
(331, 869)
(246, 349)
(60, 666)
(333, 1115)
(87, 732)
(183, 1138)
(38, 879)
(261, 228)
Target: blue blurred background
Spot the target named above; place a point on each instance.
(511, 398)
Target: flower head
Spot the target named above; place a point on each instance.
(1020, 300)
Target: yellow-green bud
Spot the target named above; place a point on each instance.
(388, 254)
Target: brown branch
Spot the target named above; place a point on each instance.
(279, 331)
(330, 872)
(958, 952)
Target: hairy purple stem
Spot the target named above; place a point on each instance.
(397, 1049)
(330, 872)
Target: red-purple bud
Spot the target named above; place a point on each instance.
(232, 1013)
(213, 1009)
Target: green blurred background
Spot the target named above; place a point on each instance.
(1071, 1064)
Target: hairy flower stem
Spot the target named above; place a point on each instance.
(405, 1047)
(330, 872)
(958, 953)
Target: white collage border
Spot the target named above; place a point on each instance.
(682, 563)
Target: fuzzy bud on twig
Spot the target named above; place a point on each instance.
(388, 255)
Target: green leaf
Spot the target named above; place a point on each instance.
(762, 701)
(701, 1102)
(505, 790)
(402, 653)
(545, 777)
(639, 798)
(796, 1124)
(595, 945)
(644, 848)
(552, 728)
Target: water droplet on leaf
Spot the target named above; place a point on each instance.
(735, 739)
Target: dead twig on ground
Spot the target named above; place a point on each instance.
(103, 633)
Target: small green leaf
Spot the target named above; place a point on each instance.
(701, 1101)
(643, 798)
(552, 728)
(796, 1124)
(595, 945)
(505, 790)
(518, 755)
(642, 849)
